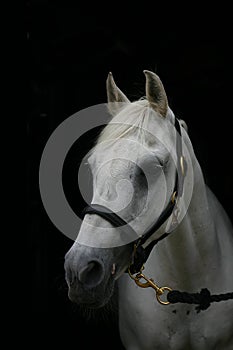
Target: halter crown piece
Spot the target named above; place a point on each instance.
(141, 254)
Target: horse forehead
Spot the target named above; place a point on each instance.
(122, 154)
(116, 167)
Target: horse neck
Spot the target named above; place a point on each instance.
(184, 258)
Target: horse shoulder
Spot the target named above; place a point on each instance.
(222, 222)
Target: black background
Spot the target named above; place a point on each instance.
(71, 49)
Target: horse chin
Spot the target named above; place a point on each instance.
(95, 298)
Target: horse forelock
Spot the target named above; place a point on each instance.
(133, 120)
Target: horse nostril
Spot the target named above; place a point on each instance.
(92, 274)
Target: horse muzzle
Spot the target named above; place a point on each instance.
(89, 279)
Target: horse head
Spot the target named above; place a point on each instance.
(133, 172)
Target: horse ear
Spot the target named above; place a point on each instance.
(155, 93)
(116, 98)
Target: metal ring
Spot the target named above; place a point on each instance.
(158, 295)
(173, 197)
(131, 275)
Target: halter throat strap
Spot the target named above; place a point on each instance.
(141, 254)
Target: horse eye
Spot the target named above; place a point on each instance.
(162, 162)
(139, 172)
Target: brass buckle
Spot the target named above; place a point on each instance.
(182, 165)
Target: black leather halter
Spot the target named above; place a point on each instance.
(141, 254)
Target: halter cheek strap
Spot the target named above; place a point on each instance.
(141, 254)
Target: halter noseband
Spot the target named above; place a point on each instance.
(141, 254)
